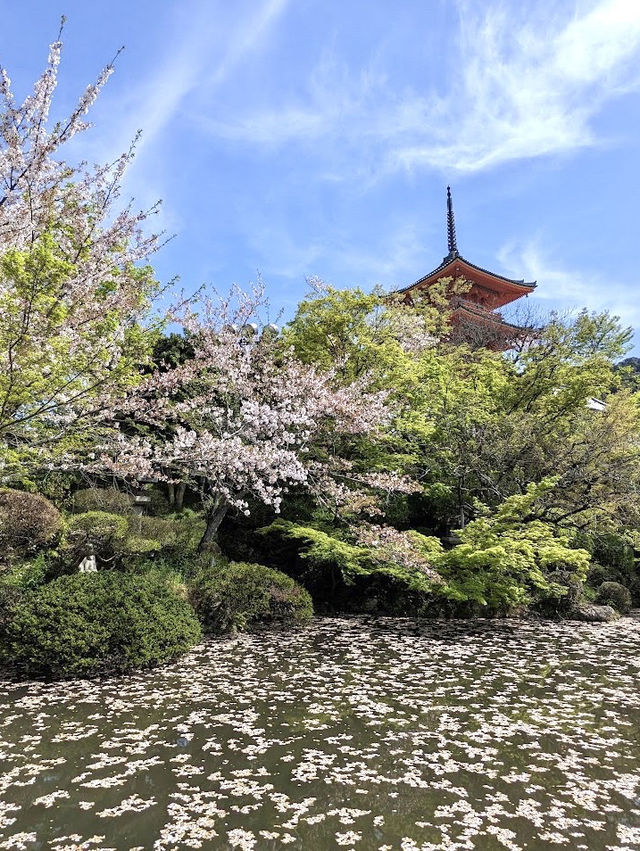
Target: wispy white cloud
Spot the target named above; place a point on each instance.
(532, 89)
(202, 56)
(569, 288)
(516, 85)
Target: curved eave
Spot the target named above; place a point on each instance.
(477, 274)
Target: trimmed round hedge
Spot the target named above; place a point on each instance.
(94, 624)
(28, 522)
(242, 596)
(615, 595)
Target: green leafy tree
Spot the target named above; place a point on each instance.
(74, 284)
(512, 557)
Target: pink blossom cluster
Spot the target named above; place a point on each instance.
(393, 546)
(240, 417)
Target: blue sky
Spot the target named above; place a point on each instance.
(315, 137)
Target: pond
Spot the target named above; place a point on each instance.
(355, 733)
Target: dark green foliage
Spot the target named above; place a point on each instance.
(563, 593)
(10, 596)
(629, 370)
(158, 502)
(240, 540)
(101, 499)
(171, 350)
(55, 486)
(97, 532)
(27, 574)
(615, 595)
(342, 576)
(172, 539)
(28, 523)
(99, 526)
(87, 625)
(157, 530)
(245, 596)
(611, 550)
(126, 541)
(320, 550)
(613, 561)
(503, 561)
(180, 530)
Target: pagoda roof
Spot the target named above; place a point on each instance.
(457, 263)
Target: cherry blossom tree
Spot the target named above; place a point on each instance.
(241, 418)
(72, 286)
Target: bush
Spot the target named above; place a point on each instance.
(96, 531)
(101, 499)
(131, 541)
(506, 559)
(158, 502)
(384, 574)
(243, 596)
(87, 625)
(27, 574)
(562, 595)
(172, 540)
(28, 522)
(615, 595)
(10, 596)
(159, 529)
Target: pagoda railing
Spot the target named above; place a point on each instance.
(459, 301)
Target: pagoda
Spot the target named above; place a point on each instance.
(475, 316)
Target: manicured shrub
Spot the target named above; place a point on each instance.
(28, 523)
(125, 542)
(615, 595)
(170, 540)
(98, 526)
(190, 528)
(87, 625)
(27, 574)
(98, 532)
(245, 596)
(101, 499)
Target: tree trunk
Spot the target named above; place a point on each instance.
(215, 516)
(180, 496)
(171, 491)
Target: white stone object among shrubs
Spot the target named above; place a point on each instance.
(88, 565)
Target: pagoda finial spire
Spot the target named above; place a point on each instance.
(451, 228)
